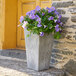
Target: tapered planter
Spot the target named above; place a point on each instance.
(38, 51)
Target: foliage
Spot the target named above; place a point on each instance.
(40, 21)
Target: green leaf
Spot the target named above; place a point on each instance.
(57, 35)
(28, 35)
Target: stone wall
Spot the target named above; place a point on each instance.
(64, 50)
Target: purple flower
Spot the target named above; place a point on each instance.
(60, 17)
(45, 26)
(39, 25)
(47, 8)
(37, 8)
(37, 16)
(57, 28)
(53, 8)
(51, 18)
(41, 33)
(43, 14)
(57, 13)
(58, 21)
(60, 31)
(55, 21)
(32, 12)
(39, 20)
(21, 19)
(61, 24)
(50, 9)
(28, 13)
(32, 16)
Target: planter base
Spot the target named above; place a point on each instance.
(38, 51)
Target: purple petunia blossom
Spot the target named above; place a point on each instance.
(41, 33)
(21, 19)
(37, 8)
(37, 16)
(61, 24)
(45, 26)
(47, 8)
(39, 20)
(32, 16)
(53, 8)
(57, 28)
(50, 9)
(60, 17)
(32, 12)
(43, 14)
(55, 21)
(60, 31)
(57, 13)
(39, 25)
(28, 13)
(58, 21)
(51, 18)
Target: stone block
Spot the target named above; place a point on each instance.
(55, 51)
(73, 18)
(64, 19)
(72, 26)
(73, 10)
(74, 37)
(62, 4)
(53, 61)
(61, 11)
(57, 56)
(67, 52)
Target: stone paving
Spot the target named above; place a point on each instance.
(10, 66)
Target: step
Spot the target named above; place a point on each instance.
(14, 53)
(16, 60)
(17, 66)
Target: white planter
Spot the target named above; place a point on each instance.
(38, 51)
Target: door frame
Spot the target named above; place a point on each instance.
(9, 23)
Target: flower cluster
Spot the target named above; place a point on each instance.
(40, 21)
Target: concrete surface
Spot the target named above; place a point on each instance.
(38, 50)
(14, 66)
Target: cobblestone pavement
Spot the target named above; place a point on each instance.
(12, 65)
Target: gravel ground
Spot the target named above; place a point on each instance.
(17, 67)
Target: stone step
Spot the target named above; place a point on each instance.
(14, 53)
(21, 66)
(16, 60)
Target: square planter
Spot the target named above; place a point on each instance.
(38, 51)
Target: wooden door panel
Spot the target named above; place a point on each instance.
(45, 3)
(23, 7)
